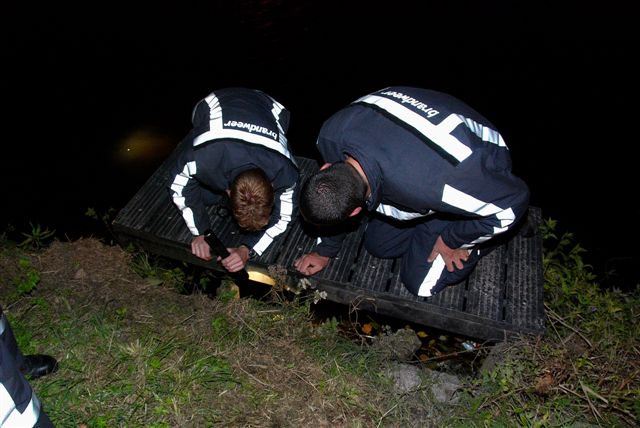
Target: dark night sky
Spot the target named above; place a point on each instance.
(560, 85)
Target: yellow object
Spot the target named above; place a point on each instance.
(367, 328)
(257, 276)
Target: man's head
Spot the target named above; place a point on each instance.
(251, 196)
(332, 195)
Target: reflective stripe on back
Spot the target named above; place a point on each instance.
(244, 131)
(438, 137)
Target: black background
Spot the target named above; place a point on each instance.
(560, 85)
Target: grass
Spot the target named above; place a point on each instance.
(136, 351)
(585, 370)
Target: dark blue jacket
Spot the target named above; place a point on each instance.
(235, 129)
(426, 152)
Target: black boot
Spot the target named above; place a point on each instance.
(38, 365)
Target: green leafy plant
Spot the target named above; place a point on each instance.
(584, 369)
(37, 237)
(155, 272)
(28, 278)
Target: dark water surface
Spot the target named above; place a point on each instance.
(92, 108)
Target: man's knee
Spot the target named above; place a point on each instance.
(426, 282)
(383, 241)
(426, 285)
(374, 247)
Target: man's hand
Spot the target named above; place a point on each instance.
(452, 258)
(237, 259)
(200, 248)
(235, 262)
(311, 263)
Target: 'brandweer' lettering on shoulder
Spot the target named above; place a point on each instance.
(250, 127)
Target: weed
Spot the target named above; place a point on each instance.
(37, 237)
(584, 369)
(27, 279)
(228, 290)
(159, 273)
(134, 355)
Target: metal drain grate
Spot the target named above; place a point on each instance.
(504, 294)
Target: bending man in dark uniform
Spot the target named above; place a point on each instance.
(237, 148)
(433, 176)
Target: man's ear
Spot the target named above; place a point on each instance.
(355, 212)
(325, 166)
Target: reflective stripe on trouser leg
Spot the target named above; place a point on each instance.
(413, 242)
(11, 417)
(3, 323)
(19, 407)
(438, 277)
(426, 279)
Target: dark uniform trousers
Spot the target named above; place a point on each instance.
(19, 405)
(413, 241)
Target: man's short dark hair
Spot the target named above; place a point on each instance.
(329, 196)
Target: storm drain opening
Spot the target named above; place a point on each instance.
(503, 291)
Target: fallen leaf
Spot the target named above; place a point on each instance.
(367, 328)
